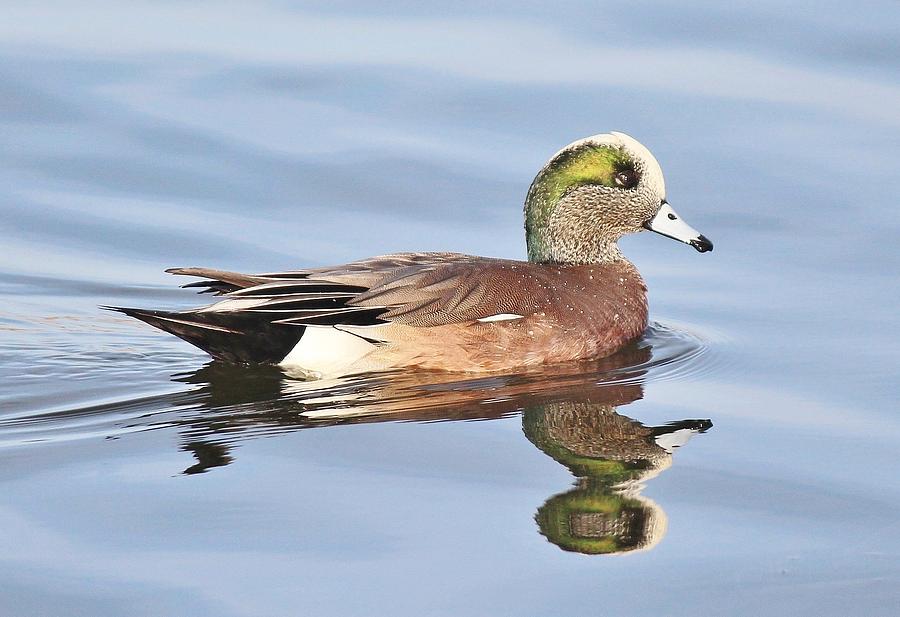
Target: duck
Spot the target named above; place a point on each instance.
(575, 298)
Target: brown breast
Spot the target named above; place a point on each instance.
(569, 313)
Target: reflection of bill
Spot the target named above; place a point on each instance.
(569, 413)
(611, 455)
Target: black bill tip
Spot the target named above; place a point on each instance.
(702, 244)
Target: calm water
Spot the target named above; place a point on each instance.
(138, 479)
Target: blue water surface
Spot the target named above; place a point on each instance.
(138, 479)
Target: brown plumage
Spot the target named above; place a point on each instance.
(578, 298)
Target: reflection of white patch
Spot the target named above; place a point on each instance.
(335, 412)
(675, 439)
(668, 223)
(324, 350)
(500, 317)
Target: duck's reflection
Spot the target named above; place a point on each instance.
(611, 456)
(569, 412)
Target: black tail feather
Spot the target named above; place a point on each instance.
(217, 287)
(232, 337)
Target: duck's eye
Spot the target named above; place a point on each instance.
(627, 179)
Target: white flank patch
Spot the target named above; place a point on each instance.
(324, 350)
(500, 317)
(675, 439)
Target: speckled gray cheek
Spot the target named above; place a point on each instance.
(647, 199)
(589, 220)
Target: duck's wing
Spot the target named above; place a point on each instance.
(415, 289)
(363, 273)
(461, 291)
(261, 317)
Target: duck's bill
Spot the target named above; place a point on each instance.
(669, 224)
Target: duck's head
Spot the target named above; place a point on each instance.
(594, 191)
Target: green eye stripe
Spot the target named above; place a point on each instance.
(581, 166)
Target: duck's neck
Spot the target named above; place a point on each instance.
(577, 255)
(564, 230)
(564, 243)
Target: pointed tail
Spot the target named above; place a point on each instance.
(232, 337)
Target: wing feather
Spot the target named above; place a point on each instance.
(416, 289)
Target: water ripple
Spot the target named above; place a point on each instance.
(226, 402)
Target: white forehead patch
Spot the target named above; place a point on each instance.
(653, 175)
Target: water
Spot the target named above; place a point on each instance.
(139, 479)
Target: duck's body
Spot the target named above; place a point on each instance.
(576, 298)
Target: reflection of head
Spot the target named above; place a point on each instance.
(598, 521)
(611, 455)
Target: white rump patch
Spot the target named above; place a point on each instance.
(500, 317)
(325, 350)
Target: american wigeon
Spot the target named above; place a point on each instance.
(576, 297)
